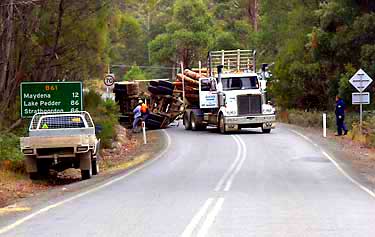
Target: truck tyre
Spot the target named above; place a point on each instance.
(95, 166)
(194, 125)
(266, 130)
(154, 83)
(85, 165)
(187, 123)
(166, 84)
(222, 125)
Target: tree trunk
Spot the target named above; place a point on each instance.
(4, 76)
(252, 10)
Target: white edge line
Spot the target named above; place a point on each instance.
(371, 193)
(195, 221)
(239, 166)
(342, 171)
(45, 209)
(229, 171)
(210, 218)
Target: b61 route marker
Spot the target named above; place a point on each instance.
(39, 97)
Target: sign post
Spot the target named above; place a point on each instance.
(360, 81)
(39, 97)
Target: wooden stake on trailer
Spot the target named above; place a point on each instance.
(183, 80)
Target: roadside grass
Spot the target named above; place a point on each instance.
(314, 119)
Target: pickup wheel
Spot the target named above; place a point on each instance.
(95, 166)
(85, 165)
(34, 175)
(43, 167)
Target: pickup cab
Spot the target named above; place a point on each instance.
(60, 141)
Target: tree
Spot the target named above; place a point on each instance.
(187, 37)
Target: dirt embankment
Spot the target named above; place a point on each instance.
(128, 151)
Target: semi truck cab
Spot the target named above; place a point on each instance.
(231, 101)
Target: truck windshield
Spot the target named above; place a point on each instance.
(240, 83)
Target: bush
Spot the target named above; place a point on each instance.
(11, 157)
(105, 114)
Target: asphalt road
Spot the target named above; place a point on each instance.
(207, 184)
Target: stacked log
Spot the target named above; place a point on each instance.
(191, 85)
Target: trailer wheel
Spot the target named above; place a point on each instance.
(222, 125)
(187, 123)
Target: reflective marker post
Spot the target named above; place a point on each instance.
(324, 125)
(144, 132)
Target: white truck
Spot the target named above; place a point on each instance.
(232, 97)
(60, 141)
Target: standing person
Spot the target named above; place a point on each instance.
(137, 115)
(145, 112)
(340, 116)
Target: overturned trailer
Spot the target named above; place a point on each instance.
(164, 104)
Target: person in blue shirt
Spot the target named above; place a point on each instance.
(137, 115)
(340, 116)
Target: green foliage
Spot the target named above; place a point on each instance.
(318, 48)
(135, 74)
(10, 154)
(187, 37)
(105, 114)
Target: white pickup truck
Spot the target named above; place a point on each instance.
(60, 141)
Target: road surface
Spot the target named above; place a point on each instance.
(207, 184)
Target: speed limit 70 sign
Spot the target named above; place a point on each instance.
(109, 79)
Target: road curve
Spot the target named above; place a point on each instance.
(207, 184)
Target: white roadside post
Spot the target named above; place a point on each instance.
(324, 125)
(144, 132)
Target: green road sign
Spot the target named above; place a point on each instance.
(38, 97)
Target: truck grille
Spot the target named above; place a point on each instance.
(249, 104)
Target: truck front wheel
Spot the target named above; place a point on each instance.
(187, 123)
(222, 125)
(194, 125)
(266, 130)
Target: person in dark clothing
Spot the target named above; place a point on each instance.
(340, 116)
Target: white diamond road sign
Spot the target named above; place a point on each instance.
(360, 80)
(361, 98)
